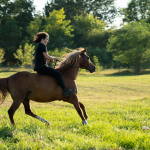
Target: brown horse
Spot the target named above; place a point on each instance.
(25, 86)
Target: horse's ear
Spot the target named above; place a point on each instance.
(85, 50)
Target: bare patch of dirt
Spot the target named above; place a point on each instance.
(3, 116)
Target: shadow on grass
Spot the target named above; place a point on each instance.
(7, 133)
(8, 71)
(128, 73)
(15, 69)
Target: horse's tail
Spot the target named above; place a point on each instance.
(3, 89)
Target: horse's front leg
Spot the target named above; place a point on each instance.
(77, 107)
(83, 109)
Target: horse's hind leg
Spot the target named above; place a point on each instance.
(12, 110)
(28, 111)
(83, 109)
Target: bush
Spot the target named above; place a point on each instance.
(97, 64)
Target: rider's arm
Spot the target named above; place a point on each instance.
(48, 57)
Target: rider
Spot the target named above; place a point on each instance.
(41, 59)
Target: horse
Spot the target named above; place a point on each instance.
(24, 86)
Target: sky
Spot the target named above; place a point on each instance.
(40, 4)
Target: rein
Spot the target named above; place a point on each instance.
(75, 66)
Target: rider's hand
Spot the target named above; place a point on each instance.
(56, 58)
(47, 61)
(52, 60)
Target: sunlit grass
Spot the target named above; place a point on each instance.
(117, 106)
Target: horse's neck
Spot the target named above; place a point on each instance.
(71, 72)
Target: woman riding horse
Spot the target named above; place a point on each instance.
(25, 86)
(41, 59)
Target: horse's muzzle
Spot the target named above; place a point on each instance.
(92, 69)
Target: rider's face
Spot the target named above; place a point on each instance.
(45, 41)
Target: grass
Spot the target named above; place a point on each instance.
(117, 106)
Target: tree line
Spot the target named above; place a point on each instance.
(77, 23)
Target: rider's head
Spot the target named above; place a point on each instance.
(39, 36)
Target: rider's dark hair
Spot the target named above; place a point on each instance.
(39, 36)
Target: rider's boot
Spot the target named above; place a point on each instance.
(68, 92)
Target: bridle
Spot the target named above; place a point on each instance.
(85, 61)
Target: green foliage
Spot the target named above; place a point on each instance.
(89, 23)
(97, 64)
(97, 42)
(84, 27)
(34, 27)
(58, 29)
(102, 9)
(15, 16)
(104, 58)
(136, 10)
(10, 36)
(25, 55)
(23, 11)
(59, 53)
(75, 24)
(6, 9)
(132, 45)
(1, 55)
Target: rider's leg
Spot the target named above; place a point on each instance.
(54, 73)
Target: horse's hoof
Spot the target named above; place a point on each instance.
(48, 123)
(84, 122)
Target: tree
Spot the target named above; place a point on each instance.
(56, 26)
(132, 46)
(20, 10)
(84, 27)
(102, 9)
(59, 53)
(59, 30)
(34, 27)
(25, 55)
(9, 38)
(1, 55)
(23, 14)
(15, 16)
(104, 57)
(6, 10)
(136, 10)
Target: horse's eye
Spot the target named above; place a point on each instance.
(88, 58)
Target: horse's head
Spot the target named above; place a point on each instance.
(77, 59)
(85, 61)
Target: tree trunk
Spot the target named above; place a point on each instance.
(138, 68)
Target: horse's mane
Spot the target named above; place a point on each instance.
(69, 59)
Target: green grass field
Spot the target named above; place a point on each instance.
(118, 107)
